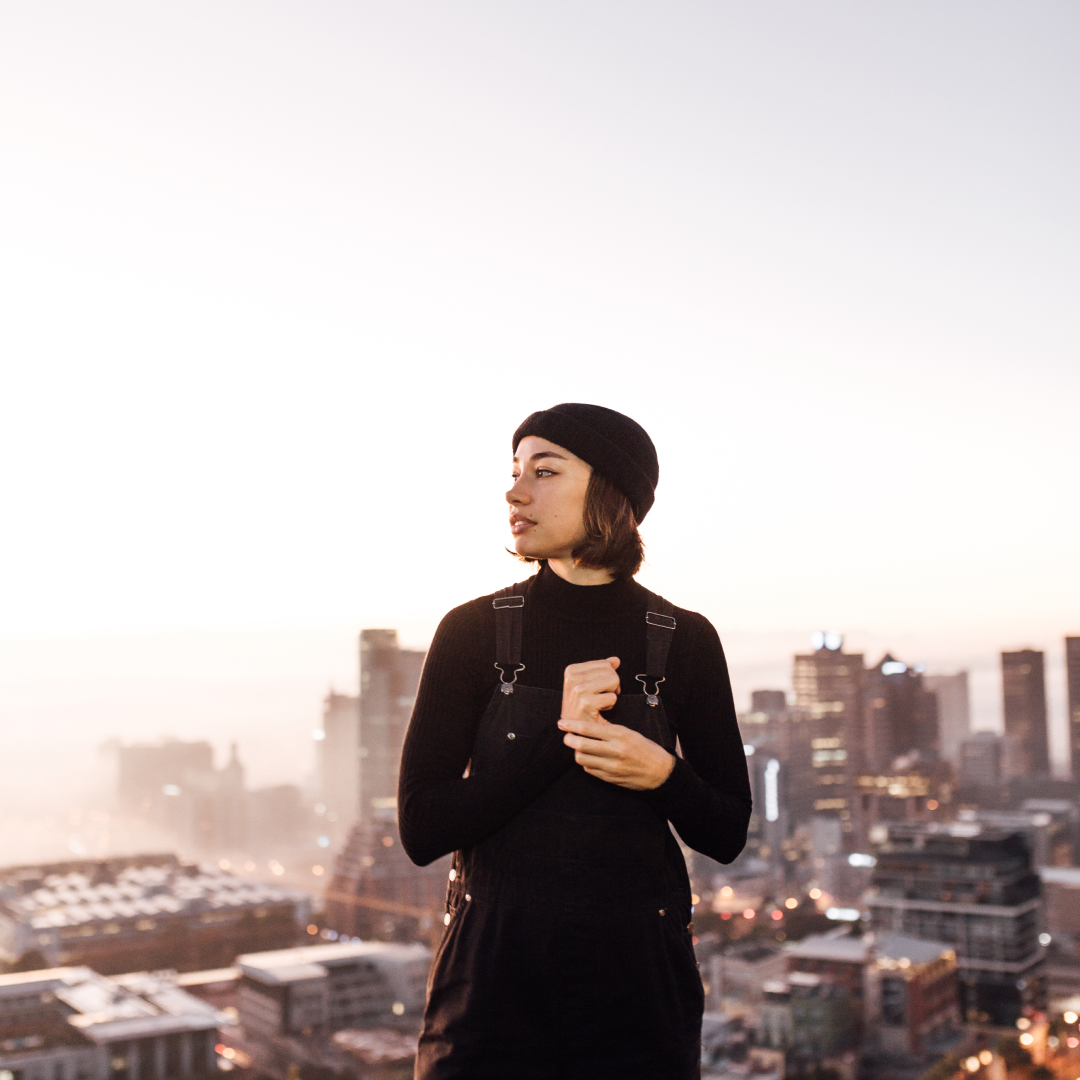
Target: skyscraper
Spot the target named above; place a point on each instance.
(339, 765)
(389, 676)
(954, 711)
(1024, 690)
(902, 714)
(827, 747)
(1072, 675)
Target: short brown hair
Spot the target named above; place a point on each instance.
(612, 541)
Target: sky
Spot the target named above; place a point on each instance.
(280, 279)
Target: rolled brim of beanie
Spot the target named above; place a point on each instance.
(604, 454)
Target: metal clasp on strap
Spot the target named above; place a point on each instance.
(508, 602)
(654, 697)
(508, 687)
(654, 618)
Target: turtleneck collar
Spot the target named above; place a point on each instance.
(588, 603)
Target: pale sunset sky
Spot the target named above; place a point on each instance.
(281, 278)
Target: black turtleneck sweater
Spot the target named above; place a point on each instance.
(707, 795)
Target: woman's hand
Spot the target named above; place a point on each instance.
(611, 752)
(589, 688)
(617, 754)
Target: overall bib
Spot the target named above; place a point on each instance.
(568, 952)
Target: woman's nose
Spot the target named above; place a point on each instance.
(516, 494)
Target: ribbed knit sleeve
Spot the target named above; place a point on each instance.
(707, 796)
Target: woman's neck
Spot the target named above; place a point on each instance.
(569, 570)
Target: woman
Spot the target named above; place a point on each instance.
(541, 752)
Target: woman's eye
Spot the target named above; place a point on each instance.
(544, 472)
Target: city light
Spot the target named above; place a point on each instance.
(791, 903)
(1045, 939)
(972, 1064)
(1027, 1039)
(312, 929)
(748, 913)
(842, 914)
(772, 790)
(1070, 1017)
(1023, 1023)
(856, 859)
(317, 870)
(748, 750)
(323, 841)
(171, 790)
(815, 894)
(398, 1009)
(777, 915)
(986, 1057)
(318, 734)
(893, 667)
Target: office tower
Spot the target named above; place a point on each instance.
(389, 676)
(1024, 689)
(827, 747)
(339, 766)
(772, 703)
(972, 887)
(981, 760)
(176, 786)
(954, 711)
(1072, 675)
(902, 715)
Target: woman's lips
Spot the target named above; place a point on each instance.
(518, 525)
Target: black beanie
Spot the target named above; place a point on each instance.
(611, 443)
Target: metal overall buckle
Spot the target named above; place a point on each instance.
(504, 686)
(654, 697)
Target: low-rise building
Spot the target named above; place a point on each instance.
(292, 1001)
(142, 913)
(913, 994)
(74, 1024)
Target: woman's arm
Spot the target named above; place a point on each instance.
(707, 794)
(439, 810)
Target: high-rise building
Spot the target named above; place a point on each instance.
(1072, 675)
(981, 760)
(972, 887)
(902, 715)
(827, 745)
(954, 711)
(1024, 688)
(339, 766)
(389, 676)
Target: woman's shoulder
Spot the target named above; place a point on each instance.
(693, 631)
(474, 616)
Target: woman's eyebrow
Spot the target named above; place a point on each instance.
(545, 454)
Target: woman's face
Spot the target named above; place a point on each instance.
(547, 501)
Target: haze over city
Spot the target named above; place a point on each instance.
(281, 280)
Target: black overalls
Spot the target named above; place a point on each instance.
(568, 951)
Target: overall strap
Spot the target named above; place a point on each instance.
(659, 629)
(508, 604)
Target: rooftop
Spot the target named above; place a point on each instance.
(123, 1007)
(314, 961)
(95, 895)
(842, 947)
(901, 947)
